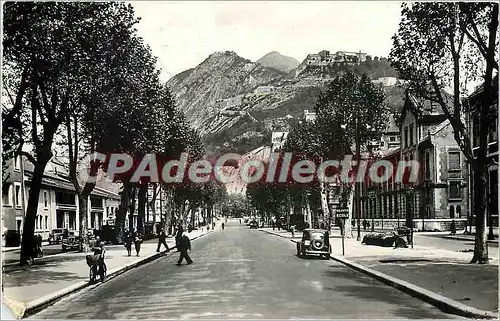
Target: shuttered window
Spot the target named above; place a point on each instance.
(453, 160)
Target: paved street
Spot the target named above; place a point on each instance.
(242, 273)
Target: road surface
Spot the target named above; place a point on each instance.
(241, 273)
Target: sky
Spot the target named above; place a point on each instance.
(183, 34)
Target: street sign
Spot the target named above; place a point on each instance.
(342, 213)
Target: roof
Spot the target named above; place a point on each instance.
(59, 180)
(392, 127)
(476, 95)
(424, 109)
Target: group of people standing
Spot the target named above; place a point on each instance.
(134, 237)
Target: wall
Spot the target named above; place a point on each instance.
(430, 224)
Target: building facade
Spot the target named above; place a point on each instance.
(438, 196)
(58, 205)
(472, 105)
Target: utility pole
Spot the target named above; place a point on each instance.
(356, 183)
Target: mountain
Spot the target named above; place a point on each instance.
(278, 61)
(235, 104)
(201, 91)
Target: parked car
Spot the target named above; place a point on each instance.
(70, 242)
(56, 235)
(254, 224)
(314, 241)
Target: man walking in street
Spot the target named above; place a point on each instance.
(162, 239)
(184, 246)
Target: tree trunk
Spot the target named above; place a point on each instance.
(83, 203)
(480, 199)
(132, 208)
(121, 213)
(141, 211)
(28, 237)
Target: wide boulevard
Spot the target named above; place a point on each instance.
(241, 273)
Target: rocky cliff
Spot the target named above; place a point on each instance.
(236, 103)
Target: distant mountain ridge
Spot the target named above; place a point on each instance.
(235, 103)
(278, 61)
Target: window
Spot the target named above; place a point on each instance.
(65, 198)
(17, 163)
(45, 200)
(428, 164)
(493, 134)
(36, 222)
(453, 160)
(411, 134)
(406, 136)
(452, 211)
(475, 131)
(392, 138)
(46, 222)
(18, 195)
(7, 194)
(454, 190)
(459, 211)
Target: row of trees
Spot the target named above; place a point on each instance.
(78, 73)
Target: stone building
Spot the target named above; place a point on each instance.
(438, 195)
(58, 202)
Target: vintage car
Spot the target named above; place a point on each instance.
(314, 241)
(254, 224)
(56, 235)
(70, 242)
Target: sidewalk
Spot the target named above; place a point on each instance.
(58, 275)
(15, 248)
(442, 272)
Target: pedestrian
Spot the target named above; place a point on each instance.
(137, 242)
(127, 241)
(162, 239)
(240, 220)
(178, 236)
(222, 225)
(364, 224)
(453, 227)
(213, 225)
(274, 225)
(185, 246)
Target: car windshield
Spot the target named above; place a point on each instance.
(59, 230)
(317, 235)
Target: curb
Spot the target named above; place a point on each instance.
(466, 239)
(276, 234)
(443, 303)
(37, 305)
(5, 250)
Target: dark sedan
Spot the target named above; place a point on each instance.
(314, 242)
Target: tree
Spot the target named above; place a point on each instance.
(50, 46)
(455, 43)
(107, 80)
(357, 105)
